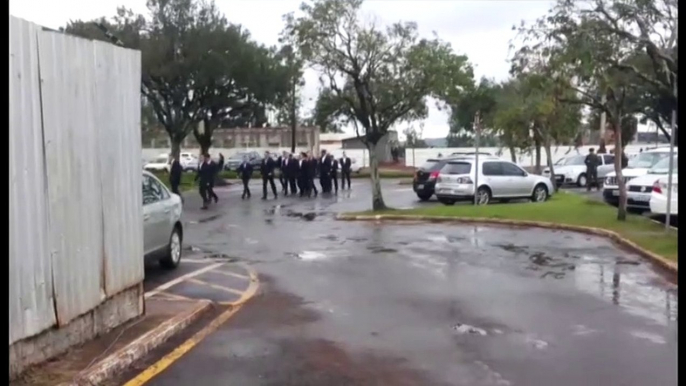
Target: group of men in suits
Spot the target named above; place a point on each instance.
(296, 175)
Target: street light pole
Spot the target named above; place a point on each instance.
(671, 160)
(294, 107)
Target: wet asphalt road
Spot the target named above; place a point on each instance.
(396, 304)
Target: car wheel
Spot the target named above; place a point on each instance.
(424, 197)
(540, 193)
(172, 257)
(446, 201)
(483, 196)
(581, 181)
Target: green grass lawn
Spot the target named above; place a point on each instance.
(569, 209)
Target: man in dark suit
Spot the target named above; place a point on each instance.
(267, 168)
(313, 166)
(303, 168)
(215, 174)
(245, 174)
(282, 173)
(290, 169)
(334, 173)
(325, 172)
(205, 176)
(175, 177)
(346, 166)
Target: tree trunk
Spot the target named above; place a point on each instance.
(513, 154)
(175, 148)
(537, 145)
(619, 151)
(549, 156)
(378, 203)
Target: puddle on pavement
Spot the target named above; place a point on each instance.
(376, 249)
(208, 219)
(466, 329)
(307, 255)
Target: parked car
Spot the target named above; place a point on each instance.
(424, 180)
(639, 188)
(498, 179)
(658, 197)
(189, 162)
(638, 166)
(159, 164)
(162, 228)
(234, 161)
(572, 169)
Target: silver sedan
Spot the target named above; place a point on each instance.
(162, 229)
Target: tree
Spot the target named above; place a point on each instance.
(290, 102)
(329, 112)
(584, 56)
(378, 77)
(481, 98)
(413, 138)
(195, 66)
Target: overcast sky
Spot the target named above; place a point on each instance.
(481, 29)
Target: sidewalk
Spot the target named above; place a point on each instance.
(109, 354)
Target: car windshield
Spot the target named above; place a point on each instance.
(430, 165)
(647, 160)
(662, 167)
(457, 168)
(576, 160)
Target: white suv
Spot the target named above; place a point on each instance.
(638, 166)
(498, 179)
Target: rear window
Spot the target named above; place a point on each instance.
(457, 168)
(431, 165)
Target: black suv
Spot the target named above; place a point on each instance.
(424, 181)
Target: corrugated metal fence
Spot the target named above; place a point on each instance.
(76, 233)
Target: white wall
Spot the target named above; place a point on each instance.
(523, 158)
(76, 222)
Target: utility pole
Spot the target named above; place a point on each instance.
(294, 105)
(477, 135)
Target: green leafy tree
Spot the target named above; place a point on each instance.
(379, 76)
(593, 61)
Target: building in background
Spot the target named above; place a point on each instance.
(383, 148)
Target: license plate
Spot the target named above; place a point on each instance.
(420, 186)
(615, 192)
(641, 198)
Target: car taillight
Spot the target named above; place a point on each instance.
(464, 180)
(416, 175)
(657, 188)
(433, 175)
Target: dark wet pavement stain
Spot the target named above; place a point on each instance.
(210, 218)
(557, 308)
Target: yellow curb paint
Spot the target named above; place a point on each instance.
(169, 359)
(672, 267)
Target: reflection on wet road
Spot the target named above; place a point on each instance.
(425, 304)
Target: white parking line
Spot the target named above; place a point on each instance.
(181, 279)
(217, 286)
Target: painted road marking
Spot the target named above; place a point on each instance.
(181, 279)
(231, 274)
(166, 361)
(215, 286)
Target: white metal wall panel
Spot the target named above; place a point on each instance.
(31, 302)
(67, 67)
(118, 78)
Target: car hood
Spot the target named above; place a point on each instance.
(634, 172)
(155, 164)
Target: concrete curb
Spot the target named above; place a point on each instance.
(124, 357)
(654, 258)
(405, 182)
